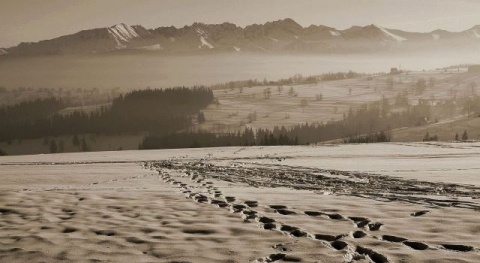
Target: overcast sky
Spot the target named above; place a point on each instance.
(34, 20)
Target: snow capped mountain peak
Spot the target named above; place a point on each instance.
(203, 38)
(281, 35)
(391, 35)
(334, 33)
(126, 30)
(122, 34)
(474, 31)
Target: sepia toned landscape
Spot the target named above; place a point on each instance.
(406, 202)
(221, 131)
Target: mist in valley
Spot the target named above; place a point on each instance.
(221, 131)
(138, 71)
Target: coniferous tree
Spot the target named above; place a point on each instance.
(464, 135)
(158, 111)
(426, 138)
(61, 146)
(201, 117)
(3, 153)
(84, 147)
(75, 140)
(53, 146)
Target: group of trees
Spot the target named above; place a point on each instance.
(297, 79)
(464, 136)
(156, 111)
(428, 138)
(364, 125)
(19, 120)
(205, 139)
(369, 138)
(70, 96)
(60, 146)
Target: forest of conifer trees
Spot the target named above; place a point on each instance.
(155, 111)
(365, 125)
(164, 113)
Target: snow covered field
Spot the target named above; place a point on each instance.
(415, 202)
(284, 104)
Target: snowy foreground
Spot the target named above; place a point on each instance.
(415, 202)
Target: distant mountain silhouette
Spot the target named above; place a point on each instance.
(279, 36)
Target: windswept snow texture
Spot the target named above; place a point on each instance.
(122, 34)
(393, 36)
(203, 39)
(389, 202)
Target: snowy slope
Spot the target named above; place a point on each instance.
(391, 35)
(122, 34)
(281, 35)
(475, 33)
(203, 39)
(334, 33)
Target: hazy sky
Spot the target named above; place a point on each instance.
(34, 20)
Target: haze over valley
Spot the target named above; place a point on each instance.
(239, 131)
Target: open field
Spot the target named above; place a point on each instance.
(445, 130)
(284, 104)
(390, 202)
(94, 143)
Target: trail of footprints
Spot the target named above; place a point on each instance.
(215, 197)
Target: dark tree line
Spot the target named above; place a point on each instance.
(158, 111)
(369, 138)
(205, 139)
(365, 125)
(16, 121)
(295, 80)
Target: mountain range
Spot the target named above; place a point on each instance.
(284, 36)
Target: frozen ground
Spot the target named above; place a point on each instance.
(415, 202)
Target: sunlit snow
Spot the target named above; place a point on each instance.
(203, 39)
(122, 33)
(396, 37)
